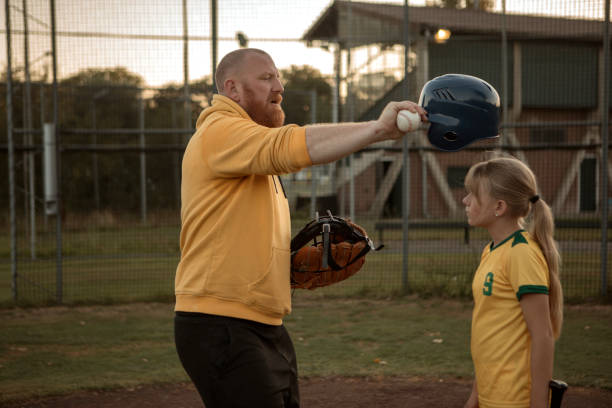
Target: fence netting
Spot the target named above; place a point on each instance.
(132, 77)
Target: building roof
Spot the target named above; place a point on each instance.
(332, 25)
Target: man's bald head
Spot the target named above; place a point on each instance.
(233, 63)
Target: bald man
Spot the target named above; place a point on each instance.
(232, 282)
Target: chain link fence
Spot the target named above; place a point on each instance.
(114, 89)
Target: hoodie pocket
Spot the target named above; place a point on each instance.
(272, 292)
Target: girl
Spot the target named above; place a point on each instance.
(518, 300)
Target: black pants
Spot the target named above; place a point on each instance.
(237, 363)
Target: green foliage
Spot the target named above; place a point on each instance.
(111, 93)
(96, 100)
(113, 257)
(299, 81)
(102, 99)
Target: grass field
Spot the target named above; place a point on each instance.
(145, 277)
(57, 350)
(124, 263)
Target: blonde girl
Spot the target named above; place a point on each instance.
(518, 300)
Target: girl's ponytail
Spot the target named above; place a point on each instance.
(542, 228)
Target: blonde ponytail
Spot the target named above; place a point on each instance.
(542, 228)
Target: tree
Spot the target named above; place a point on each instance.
(100, 98)
(166, 110)
(168, 106)
(114, 91)
(299, 82)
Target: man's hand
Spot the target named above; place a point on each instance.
(472, 402)
(387, 127)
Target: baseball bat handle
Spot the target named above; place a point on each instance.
(555, 394)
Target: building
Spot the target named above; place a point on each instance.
(548, 71)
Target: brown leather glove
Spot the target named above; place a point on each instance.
(336, 253)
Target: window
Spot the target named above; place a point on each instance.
(547, 136)
(588, 184)
(455, 176)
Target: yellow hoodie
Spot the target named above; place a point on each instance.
(235, 223)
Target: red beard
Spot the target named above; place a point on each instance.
(268, 114)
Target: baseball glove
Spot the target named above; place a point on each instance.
(337, 252)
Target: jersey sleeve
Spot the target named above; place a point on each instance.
(528, 271)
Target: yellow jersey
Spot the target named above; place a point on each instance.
(500, 341)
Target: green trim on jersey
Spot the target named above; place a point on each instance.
(518, 239)
(523, 290)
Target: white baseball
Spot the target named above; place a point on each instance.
(408, 121)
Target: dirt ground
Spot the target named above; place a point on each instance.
(317, 392)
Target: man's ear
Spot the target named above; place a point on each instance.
(230, 89)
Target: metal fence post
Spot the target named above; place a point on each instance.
(11, 151)
(350, 94)
(214, 37)
(143, 161)
(29, 156)
(504, 61)
(59, 278)
(405, 156)
(604, 152)
(314, 170)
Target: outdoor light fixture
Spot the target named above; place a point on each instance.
(442, 35)
(242, 39)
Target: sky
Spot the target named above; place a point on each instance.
(108, 33)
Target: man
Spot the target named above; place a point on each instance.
(232, 282)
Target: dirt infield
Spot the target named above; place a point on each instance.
(334, 392)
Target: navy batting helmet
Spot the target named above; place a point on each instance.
(461, 109)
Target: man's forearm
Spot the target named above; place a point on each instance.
(328, 143)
